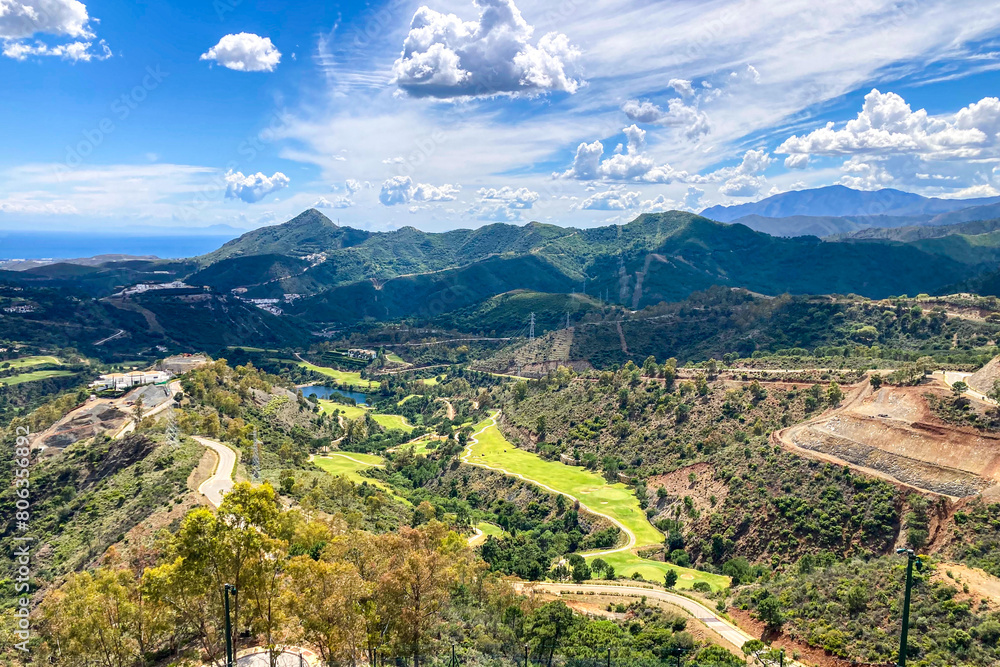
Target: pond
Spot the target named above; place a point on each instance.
(322, 391)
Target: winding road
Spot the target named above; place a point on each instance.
(221, 481)
(474, 439)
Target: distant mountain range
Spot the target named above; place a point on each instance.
(839, 210)
(310, 274)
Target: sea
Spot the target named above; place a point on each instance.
(73, 245)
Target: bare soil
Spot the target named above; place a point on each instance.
(893, 434)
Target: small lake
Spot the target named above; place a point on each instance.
(325, 392)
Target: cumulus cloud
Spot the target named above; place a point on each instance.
(887, 125)
(520, 198)
(631, 165)
(799, 161)
(245, 52)
(502, 204)
(402, 190)
(338, 201)
(692, 199)
(24, 19)
(615, 199)
(446, 57)
(746, 179)
(682, 86)
(659, 203)
(678, 114)
(20, 19)
(253, 187)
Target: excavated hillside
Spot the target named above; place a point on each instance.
(983, 379)
(892, 433)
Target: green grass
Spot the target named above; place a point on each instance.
(31, 377)
(395, 358)
(421, 446)
(24, 362)
(626, 563)
(615, 500)
(350, 378)
(349, 411)
(393, 422)
(405, 399)
(350, 465)
(490, 529)
(430, 382)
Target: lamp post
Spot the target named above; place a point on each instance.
(230, 654)
(911, 558)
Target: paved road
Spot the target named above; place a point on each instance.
(221, 482)
(723, 628)
(474, 439)
(951, 377)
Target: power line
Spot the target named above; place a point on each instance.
(531, 331)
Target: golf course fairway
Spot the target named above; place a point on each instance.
(617, 502)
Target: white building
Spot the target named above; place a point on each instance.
(127, 380)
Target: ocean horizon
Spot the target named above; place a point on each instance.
(73, 245)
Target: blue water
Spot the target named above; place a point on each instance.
(71, 245)
(325, 392)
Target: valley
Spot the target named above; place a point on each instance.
(530, 419)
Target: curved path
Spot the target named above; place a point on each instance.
(474, 439)
(733, 635)
(221, 481)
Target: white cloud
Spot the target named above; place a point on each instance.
(744, 180)
(659, 203)
(694, 122)
(692, 199)
(253, 187)
(24, 19)
(520, 198)
(799, 161)
(632, 165)
(445, 57)
(402, 190)
(20, 19)
(72, 51)
(245, 52)
(887, 125)
(339, 201)
(682, 86)
(496, 213)
(615, 199)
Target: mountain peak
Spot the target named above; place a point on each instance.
(310, 217)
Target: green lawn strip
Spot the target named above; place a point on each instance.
(24, 362)
(395, 358)
(615, 500)
(350, 464)
(31, 377)
(405, 399)
(392, 422)
(349, 411)
(430, 382)
(490, 529)
(627, 563)
(421, 446)
(350, 378)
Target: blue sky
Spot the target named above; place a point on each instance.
(455, 113)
